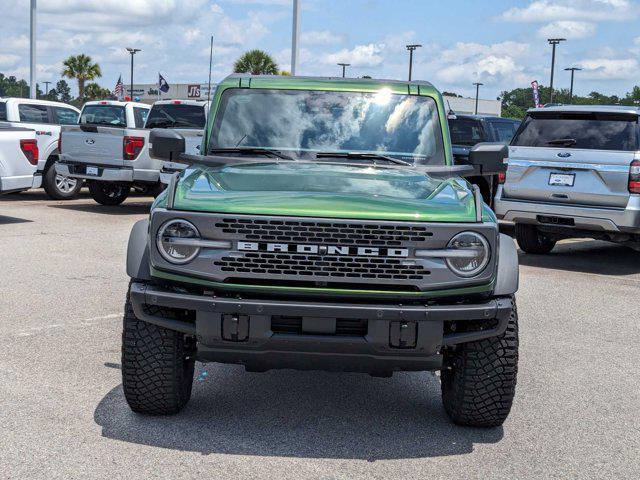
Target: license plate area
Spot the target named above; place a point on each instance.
(562, 179)
(92, 171)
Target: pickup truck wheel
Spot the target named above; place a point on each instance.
(157, 367)
(532, 240)
(108, 193)
(478, 380)
(58, 186)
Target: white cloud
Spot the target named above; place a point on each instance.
(190, 35)
(567, 29)
(369, 55)
(610, 69)
(572, 10)
(320, 37)
(8, 60)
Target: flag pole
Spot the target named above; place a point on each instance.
(159, 91)
(210, 64)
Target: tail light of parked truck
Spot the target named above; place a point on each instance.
(131, 147)
(30, 150)
(634, 177)
(502, 177)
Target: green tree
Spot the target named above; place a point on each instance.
(256, 62)
(93, 91)
(82, 68)
(12, 87)
(63, 91)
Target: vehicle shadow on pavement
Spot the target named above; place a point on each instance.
(588, 256)
(300, 414)
(129, 208)
(5, 220)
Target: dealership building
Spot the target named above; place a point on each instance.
(148, 93)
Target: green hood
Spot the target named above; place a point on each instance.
(325, 190)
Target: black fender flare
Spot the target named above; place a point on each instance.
(508, 275)
(138, 251)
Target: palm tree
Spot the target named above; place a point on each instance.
(82, 68)
(256, 62)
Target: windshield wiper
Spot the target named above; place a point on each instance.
(251, 151)
(362, 156)
(562, 141)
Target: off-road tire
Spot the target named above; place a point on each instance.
(157, 367)
(56, 188)
(108, 193)
(478, 381)
(531, 240)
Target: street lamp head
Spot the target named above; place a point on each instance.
(133, 51)
(344, 64)
(413, 46)
(477, 84)
(574, 69)
(555, 41)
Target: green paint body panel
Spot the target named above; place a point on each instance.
(326, 190)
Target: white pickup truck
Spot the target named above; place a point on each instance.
(18, 159)
(109, 150)
(46, 118)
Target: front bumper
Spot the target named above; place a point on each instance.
(584, 218)
(374, 347)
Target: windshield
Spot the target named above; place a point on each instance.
(306, 122)
(594, 131)
(503, 131)
(466, 131)
(176, 116)
(112, 115)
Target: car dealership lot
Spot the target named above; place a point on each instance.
(63, 414)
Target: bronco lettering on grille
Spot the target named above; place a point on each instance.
(307, 249)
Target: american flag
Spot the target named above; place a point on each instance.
(118, 91)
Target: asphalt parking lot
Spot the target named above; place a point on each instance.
(63, 415)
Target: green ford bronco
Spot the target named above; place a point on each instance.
(323, 227)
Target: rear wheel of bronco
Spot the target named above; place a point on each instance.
(479, 379)
(157, 367)
(532, 240)
(58, 186)
(108, 193)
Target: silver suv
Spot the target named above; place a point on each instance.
(574, 171)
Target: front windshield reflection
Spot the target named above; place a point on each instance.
(301, 121)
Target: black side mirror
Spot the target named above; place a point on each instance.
(165, 144)
(488, 158)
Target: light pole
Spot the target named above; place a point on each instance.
(572, 70)
(46, 86)
(132, 51)
(32, 52)
(477, 84)
(553, 42)
(411, 48)
(295, 32)
(344, 66)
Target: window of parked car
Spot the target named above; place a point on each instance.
(3, 112)
(140, 116)
(503, 131)
(593, 131)
(33, 113)
(466, 131)
(65, 116)
(109, 115)
(171, 115)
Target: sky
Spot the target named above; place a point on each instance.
(499, 43)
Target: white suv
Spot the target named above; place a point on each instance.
(45, 117)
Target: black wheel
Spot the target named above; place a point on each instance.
(532, 240)
(58, 186)
(109, 193)
(157, 366)
(478, 381)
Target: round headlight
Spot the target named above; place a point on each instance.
(474, 254)
(173, 241)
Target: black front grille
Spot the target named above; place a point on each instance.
(349, 327)
(329, 266)
(339, 233)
